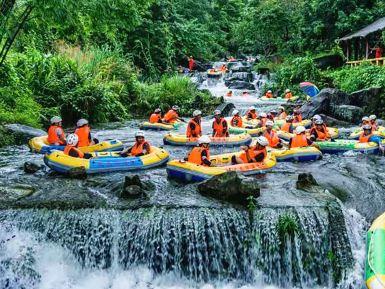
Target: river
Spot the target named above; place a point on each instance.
(64, 233)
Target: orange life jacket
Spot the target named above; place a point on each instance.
(249, 155)
(53, 136)
(83, 135)
(236, 121)
(197, 132)
(269, 95)
(251, 115)
(283, 115)
(288, 95)
(364, 138)
(68, 149)
(155, 118)
(299, 141)
(272, 137)
(171, 116)
(297, 118)
(137, 149)
(286, 127)
(321, 134)
(195, 156)
(219, 129)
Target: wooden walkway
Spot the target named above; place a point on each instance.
(375, 61)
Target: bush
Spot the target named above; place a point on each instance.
(172, 90)
(351, 79)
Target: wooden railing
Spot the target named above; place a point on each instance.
(376, 61)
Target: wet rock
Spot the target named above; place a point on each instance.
(23, 133)
(15, 192)
(226, 108)
(305, 180)
(371, 100)
(77, 173)
(240, 67)
(230, 187)
(241, 76)
(240, 85)
(31, 168)
(134, 187)
(347, 113)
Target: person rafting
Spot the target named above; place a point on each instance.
(71, 149)
(83, 131)
(252, 154)
(314, 119)
(297, 116)
(269, 94)
(365, 120)
(273, 113)
(251, 113)
(281, 113)
(172, 115)
(373, 122)
(140, 148)
(156, 117)
(200, 154)
(320, 131)
(220, 127)
(288, 125)
(367, 135)
(229, 93)
(299, 140)
(194, 128)
(262, 119)
(236, 120)
(272, 136)
(56, 135)
(288, 94)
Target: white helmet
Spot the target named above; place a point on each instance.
(262, 114)
(204, 139)
(72, 139)
(139, 133)
(315, 117)
(281, 108)
(372, 117)
(175, 107)
(367, 127)
(319, 121)
(56, 119)
(269, 91)
(252, 108)
(197, 112)
(235, 112)
(157, 110)
(81, 122)
(262, 141)
(287, 90)
(217, 112)
(300, 129)
(289, 117)
(365, 118)
(269, 123)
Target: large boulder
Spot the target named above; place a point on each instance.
(241, 76)
(371, 100)
(23, 133)
(240, 67)
(226, 108)
(240, 85)
(231, 187)
(134, 187)
(348, 113)
(31, 167)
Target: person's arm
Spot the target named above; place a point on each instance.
(205, 160)
(225, 127)
(309, 142)
(213, 129)
(290, 142)
(259, 157)
(291, 129)
(192, 129)
(60, 134)
(146, 149)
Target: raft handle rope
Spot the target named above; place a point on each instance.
(371, 266)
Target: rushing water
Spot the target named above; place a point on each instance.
(79, 234)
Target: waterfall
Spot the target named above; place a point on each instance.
(286, 247)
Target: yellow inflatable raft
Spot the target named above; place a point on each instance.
(159, 126)
(333, 132)
(305, 154)
(278, 99)
(242, 130)
(40, 145)
(106, 161)
(190, 172)
(306, 123)
(183, 140)
(380, 133)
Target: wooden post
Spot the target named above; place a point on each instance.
(347, 50)
(367, 48)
